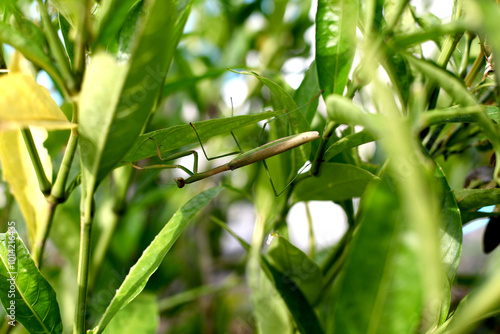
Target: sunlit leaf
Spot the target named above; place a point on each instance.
(19, 173)
(25, 103)
(178, 136)
(140, 316)
(152, 256)
(335, 43)
(112, 114)
(22, 285)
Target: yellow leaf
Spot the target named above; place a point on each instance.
(19, 173)
(25, 103)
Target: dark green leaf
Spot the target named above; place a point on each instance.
(295, 264)
(23, 286)
(347, 142)
(68, 43)
(298, 305)
(178, 136)
(378, 290)
(151, 258)
(113, 17)
(476, 198)
(307, 91)
(336, 182)
(335, 43)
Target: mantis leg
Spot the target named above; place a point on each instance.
(172, 157)
(219, 156)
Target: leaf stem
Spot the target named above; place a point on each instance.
(57, 48)
(57, 196)
(43, 181)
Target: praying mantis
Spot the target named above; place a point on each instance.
(257, 154)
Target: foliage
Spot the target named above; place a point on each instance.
(107, 243)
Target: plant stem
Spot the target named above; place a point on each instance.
(56, 48)
(312, 246)
(43, 234)
(43, 182)
(83, 262)
(57, 195)
(327, 133)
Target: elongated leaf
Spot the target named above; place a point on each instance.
(31, 299)
(476, 198)
(116, 99)
(178, 136)
(68, 43)
(481, 303)
(18, 172)
(295, 264)
(29, 49)
(112, 19)
(337, 182)
(379, 289)
(151, 258)
(298, 305)
(25, 103)
(451, 238)
(293, 122)
(451, 84)
(308, 90)
(335, 43)
(347, 142)
(140, 316)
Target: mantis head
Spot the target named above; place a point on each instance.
(180, 182)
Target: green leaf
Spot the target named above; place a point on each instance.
(151, 258)
(295, 264)
(379, 289)
(447, 81)
(335, 43)
(112, 19)
(302, 311)
(298, 123)
(348, 142)
(30, 50)
(451, 238)
(483, 302)
(140, 316)
(307, 91)
(178, 136)
(336, 182)
(68, 43)
(476, 198)
(24, 289)
(116, 98)
(297, 304)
